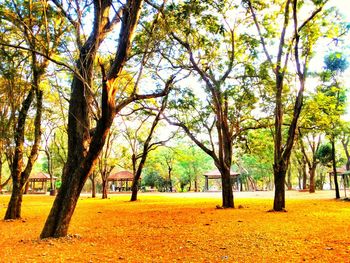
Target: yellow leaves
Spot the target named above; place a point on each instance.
(184, 228)
(124, 84)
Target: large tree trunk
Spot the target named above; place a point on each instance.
(83, 151)
(134, 190)
(14, 207)
(312, 172)
(227, 193)
(279, 203)
(279, 168)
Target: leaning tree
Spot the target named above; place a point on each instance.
(34, 31)
(85, 143)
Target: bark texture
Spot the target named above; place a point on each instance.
(20, 172)
(83, 149)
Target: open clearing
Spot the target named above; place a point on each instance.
(184, 228)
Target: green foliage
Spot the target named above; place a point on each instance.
(258, 158)
(336, 62)
(324, 154)
(153, 179)
(186, 162)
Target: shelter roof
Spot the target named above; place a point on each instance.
(340, 171)
(215, 174)
(40, 177)
(122, 175)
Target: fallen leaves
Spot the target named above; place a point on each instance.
(168, 228)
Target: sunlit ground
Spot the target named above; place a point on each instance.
(184, 228)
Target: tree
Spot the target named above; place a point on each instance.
(164, 161)
(84, 149)
(11, 95)
(206, 49)
(313, 142)
(147, 147)
(85, 144)
(301, 41)
(153, 179)
(256, 157)
(31, 21)
(332, 98)
(192, 162)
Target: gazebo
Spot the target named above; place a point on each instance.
(121, 181)
(37, 183)
(344, 173)
(215, 174)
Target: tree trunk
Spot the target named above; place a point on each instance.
(14, 207)
(104, 188)
(83, 151)
(312, 172)
(304, 175)
(146, 147)
(279, 203)
(169, 178)
(289, 179)
(227, 193)
(337, 193)
(93, 185)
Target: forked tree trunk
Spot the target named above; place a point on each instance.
(84, 150)
(19, 174)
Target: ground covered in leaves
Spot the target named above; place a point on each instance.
(184, 228)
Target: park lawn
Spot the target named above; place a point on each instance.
(183, 228)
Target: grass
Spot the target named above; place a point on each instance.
(183, 228)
